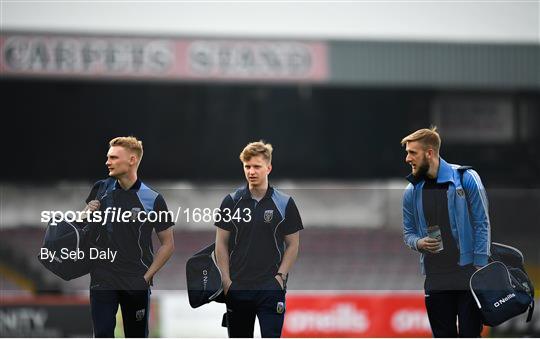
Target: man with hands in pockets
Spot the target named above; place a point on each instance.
(126, 280)
(257, 247)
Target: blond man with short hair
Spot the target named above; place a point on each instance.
(125, 279)
(257, 242)
(446, 219)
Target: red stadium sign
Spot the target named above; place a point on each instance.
(356, 315)
(165, 59)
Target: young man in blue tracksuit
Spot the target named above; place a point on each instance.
(125, 280)
(256, 250)
(453, 198)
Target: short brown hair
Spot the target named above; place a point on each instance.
(256, 148)
(131, 143)
(429, 137)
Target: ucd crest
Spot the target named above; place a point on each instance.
(268, 215)
(280, 307)
(134, 214)
(460, 192)
(139, 315)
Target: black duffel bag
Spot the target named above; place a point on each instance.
(203, 277)
(65, 238)
(502, 288)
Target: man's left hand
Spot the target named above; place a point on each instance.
(280, 281)
(148, 279)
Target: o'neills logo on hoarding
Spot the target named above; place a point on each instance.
(157, 58)
(356, 315)
(341, 318)
(410, 320)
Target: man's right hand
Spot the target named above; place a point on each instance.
(226, 285)
(428, 244)
(92, 206)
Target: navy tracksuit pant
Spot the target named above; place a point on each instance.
(265, 301)
(445, 307)
(450, 306)
(135, 306)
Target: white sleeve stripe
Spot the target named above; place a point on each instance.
(483, 198)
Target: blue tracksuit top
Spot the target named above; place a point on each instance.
(469, 224)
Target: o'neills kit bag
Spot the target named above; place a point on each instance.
(73, 240)
(502, 289)
(203, 278)
(70, 238)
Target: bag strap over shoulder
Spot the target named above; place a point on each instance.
(105, 188)
(461, 170)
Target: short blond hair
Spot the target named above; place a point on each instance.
(130, 143)
(428, 137)
(256, 148)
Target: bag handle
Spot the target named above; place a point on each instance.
(531, 310)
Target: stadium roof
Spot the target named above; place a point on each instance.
(441, 21)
